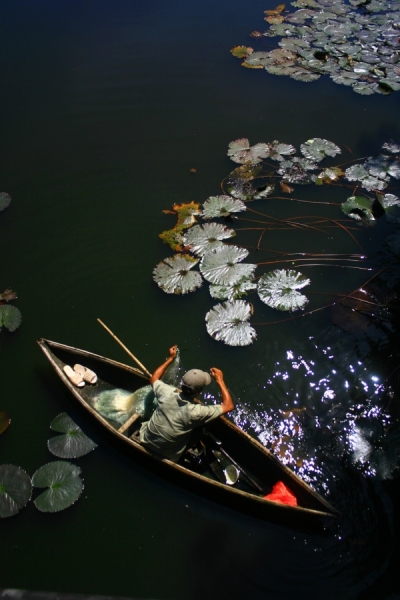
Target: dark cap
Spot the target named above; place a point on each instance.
(196, 379)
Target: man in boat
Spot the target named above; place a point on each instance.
(173, 422)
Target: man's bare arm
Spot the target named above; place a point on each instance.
(159, 372)
(227, 402)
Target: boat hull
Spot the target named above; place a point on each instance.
(312, 511)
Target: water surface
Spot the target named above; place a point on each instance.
(106, 106)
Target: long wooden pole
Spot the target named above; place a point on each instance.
(125, 348)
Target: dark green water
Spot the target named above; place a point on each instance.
(106, 105)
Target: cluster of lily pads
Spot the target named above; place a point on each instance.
(61, 478)
(356, 43)
(222, 264)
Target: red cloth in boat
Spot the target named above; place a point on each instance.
(281, 494)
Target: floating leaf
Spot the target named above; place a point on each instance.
(391, 147)
(359, 208)
(328, 175)
(296, 170)
(275, 11)
(278, 289)
(356, 173)
(364, 89)
(278, 151)
(241, 189)
(247, 171)
(274, 19)
(380, 167)
(4, 421)
(15, 490)
(373, 183)
(317, 149)
(10, 317)
(286, 189)
(173, 237)
(74, 443)
(221, 206)
(8, 295)
(5, 200)
(65, 485)
(240, 151)
(207, 237)
(186, 214)
(232, 292)
(228, 323)
(256, 60)
(304, 75)
(241, 51)
(221, 266)
(391, 206)
(263, 192)
(173, 274)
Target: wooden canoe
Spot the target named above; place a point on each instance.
(253, 458)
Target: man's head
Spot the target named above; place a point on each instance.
(194, 380)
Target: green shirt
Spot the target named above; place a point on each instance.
(169, 429)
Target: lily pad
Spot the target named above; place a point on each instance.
(240, 151)
(173, 274)
(4, 421)
(207, 237)
(228, 323)
(65, 486)
(10, 317)
(381, 167)
(373, 183)
(279, 151)
(232, 292)
(221, 206)
(328, 175)
(356, 173)
(246, 171)
(74, 443)
(296, 170)
(5, 200)
(359, 208)
(278, 289)
(317, 149)
(391, 206)
(256, 60)
(241, 51)
(221, 266)
(391, 147)
(15, 490)
(334, 38)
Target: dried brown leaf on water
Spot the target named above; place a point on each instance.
(241, 51)
(8, 295)
(4, 421)
(274, 19)
(186, 218)
(248, 66)
(275, 11)
(286, 189)
(248, 171)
